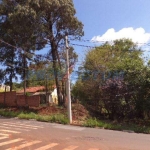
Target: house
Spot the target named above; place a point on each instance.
(54, 96)
(33, 90)
(40, 90)
(3, 87)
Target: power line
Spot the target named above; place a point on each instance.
(48, 59)
(103, 41)
(37, 55)
(82, 45)
(92, 47)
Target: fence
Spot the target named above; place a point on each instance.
(11, 99)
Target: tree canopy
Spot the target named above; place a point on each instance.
(115, 80)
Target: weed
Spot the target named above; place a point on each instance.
(5, 113)
(30, 115)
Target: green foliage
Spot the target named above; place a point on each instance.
(41, 73)
(115, 79)
(28, 94)
(132, 127)
(91, 123)
(30, 115)
(30, 25)
(43, 118)
(58, 118)
(5, 113)
(19, 28)
(17, 86)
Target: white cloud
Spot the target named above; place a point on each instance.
(137, 35)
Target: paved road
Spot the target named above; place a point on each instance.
(18, 134)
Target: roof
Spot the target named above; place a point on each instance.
(33, 89)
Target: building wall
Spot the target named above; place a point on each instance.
(54, 96)
(11, 99)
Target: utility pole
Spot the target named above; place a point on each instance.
(47, 99)
(68, 82)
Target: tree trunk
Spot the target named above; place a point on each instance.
(11, 72)
(63, 92)
(10, 80)
(54, 56)
(24, 73)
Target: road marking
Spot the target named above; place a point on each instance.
(4, 134)
(71, 148)
(47, 146)
(4, 137)
(23, 145)
(9, 142)
(94, 149)
(17, 123)
(16, 126)
(10, 131)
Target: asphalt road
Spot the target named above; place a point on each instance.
(18, 134)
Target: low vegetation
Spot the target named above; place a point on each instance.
(138, 126)
(123, 126)
(114, 82)
(58, 118)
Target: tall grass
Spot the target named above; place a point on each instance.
(116, 126)
(8, 113)
(58, 118)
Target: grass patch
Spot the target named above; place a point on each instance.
(5, 113)
(117, 126)
(91, 123)
(58, 118)
(30, 115)
(43, 118)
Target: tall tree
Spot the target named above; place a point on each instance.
(58, 20)
(18, 23)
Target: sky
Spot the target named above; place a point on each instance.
(114, 19)
(100, 15)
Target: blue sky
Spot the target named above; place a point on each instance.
(113, 19)
(100, 15)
